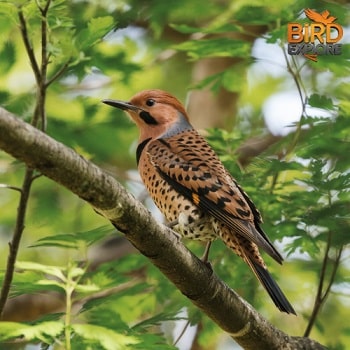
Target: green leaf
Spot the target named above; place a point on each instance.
(92, 236)
(55, 271)
(252, 14)
(74, 271)
(96, 30)
(109, 339)
(8, 57)
(151, 341)
(156, 320)
(8, 10)
(218, 47)
(214, 81)
(26, 282)
(186, 29)
(222, 28)
(49, 283)
(320, 101)
(73, 240)
(48, 318)
(303, 244)
(106, 316)
(87, 288)
(234, 78)
(276, 35)
(43, 331)
(59, 241)
(104, 300)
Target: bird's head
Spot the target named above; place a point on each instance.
(157, 113)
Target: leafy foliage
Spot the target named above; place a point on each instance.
(300, 183)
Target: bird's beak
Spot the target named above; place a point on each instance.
(125, 106)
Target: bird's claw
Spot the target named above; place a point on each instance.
(173, 223)
(176, 234)
(208, 265)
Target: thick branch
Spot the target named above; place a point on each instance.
(193, 278)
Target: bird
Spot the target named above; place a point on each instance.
(192, 188)
(322, 17)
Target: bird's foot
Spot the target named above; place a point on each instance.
(177, 235)
(173, 223)
(171, 226)
(205, 256)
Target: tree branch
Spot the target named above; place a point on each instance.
(322, 291)
(191, 276)
(28, 46)
(16, 239)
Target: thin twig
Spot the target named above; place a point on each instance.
(318, 297)
(44, 64)
(182, 333)
(46, 8)
(16, 239)
(296, 80)
(274, 181)
(322, 293)
(334, 272)
(57, 74)
(303, 99)
(36, 176)
(64, 67)
(43, 68)
(15, 188)
(28, 46)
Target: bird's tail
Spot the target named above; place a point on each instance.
(272, 288)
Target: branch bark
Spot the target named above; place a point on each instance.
(157, 242)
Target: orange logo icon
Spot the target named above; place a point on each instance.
(320, 37)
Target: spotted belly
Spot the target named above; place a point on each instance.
(191, 222)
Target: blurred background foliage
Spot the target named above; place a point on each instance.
(279, 123)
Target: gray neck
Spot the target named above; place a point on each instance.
(181, 125)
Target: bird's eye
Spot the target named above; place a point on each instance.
(150, 102)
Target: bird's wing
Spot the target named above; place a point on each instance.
(325, 14)
(327, 18)
(198, 174)
(314, 16)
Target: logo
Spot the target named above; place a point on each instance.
(320, 37)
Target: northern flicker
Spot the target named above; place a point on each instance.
(192, 188)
